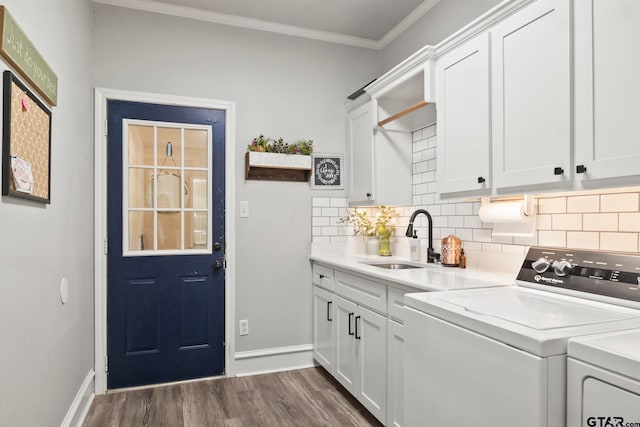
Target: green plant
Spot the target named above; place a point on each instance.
(362, 224)
(383, 217)
(264, 144)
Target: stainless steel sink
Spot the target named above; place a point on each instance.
(396, 266)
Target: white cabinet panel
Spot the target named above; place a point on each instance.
(361, 153)
(531, 96)
(371, 335)
(395, 303)
(345, 361)
(323, 329)
(395, 374)
(363, 291)
(464, 143)
(381, 161)
(323, 277)
(607, 34)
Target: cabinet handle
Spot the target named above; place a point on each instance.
(329, 319)
(357, 336)
(368, 195)
(350, 316)
(481, 180)
(558, 171)
(321, 276)
(581, 169)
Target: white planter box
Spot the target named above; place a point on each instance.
(278, 160)
(277, 166)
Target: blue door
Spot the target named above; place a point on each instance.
(165, 219)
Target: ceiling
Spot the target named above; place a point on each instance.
(364, 23)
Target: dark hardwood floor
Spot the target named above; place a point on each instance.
(306, 397)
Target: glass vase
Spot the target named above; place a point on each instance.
(385, 246)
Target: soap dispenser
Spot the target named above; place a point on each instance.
(414, 247)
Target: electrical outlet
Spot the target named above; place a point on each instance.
(244, 327)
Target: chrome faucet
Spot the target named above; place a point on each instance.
(432, 256)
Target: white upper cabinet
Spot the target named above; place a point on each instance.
(381, 161)
(361, 154)
(531, 96)
(380, 143)
(607, 93)
(464, 140)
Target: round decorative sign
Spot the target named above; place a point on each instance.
(327, 171)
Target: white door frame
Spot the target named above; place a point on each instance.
(103, 95)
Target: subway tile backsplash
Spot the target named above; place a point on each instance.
(608, 220)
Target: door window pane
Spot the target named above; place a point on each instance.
(140, 188)
(195, 148)
(169, 189)
(141, 231)
(141, 143)
(196, 226)
(169, 147)
(197, 183)
(169, 230)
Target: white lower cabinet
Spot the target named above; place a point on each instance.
(371, 338)
(323, 329)
(361, 360)
(395, 374)
(345, 371)
(358, 338)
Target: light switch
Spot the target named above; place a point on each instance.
(244, 209)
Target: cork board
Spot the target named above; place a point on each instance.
(26, 138)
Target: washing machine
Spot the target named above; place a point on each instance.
(497, 357)
(603, 380)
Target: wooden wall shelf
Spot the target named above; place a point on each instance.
(277, 167)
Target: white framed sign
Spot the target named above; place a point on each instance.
(328, 172)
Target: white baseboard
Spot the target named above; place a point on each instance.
(81, 403)
(273, 360)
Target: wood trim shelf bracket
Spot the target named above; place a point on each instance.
(403, 113)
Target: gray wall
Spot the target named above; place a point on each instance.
(47, 347)
(284, 87)
(444, 19)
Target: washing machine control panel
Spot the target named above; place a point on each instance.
(601, 273)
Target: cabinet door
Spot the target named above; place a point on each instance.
(323, 330)
(371, 336)
(607, 91)
(345, 355)
(531, 96)
(463, 118)
(395, 374)
(361, 153)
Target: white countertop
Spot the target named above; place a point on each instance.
(434, 277)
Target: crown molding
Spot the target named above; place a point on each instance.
(239, 21)
(407, 22)
(481, 24)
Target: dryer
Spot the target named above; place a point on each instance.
(498, 356)
(603, 380)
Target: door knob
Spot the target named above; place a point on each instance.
(217, 264)
(217, 246)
